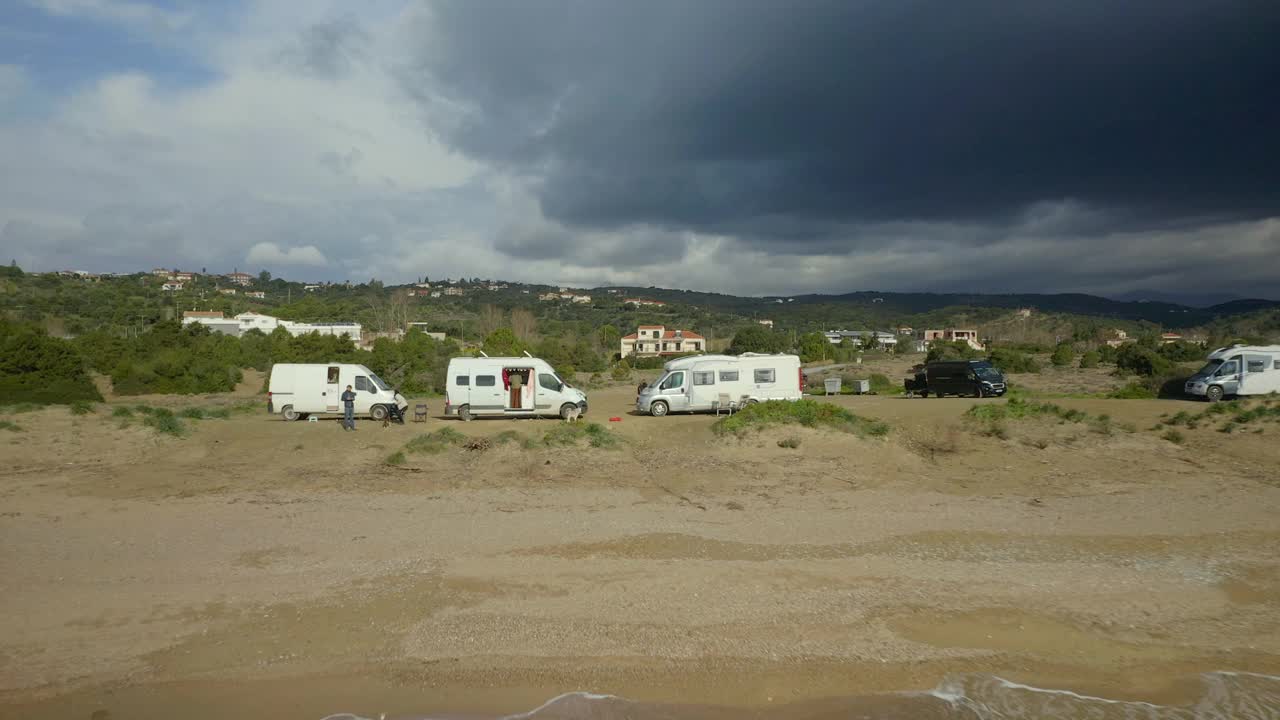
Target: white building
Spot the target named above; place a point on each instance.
(171, 286)
(244, 322)
(884, 340)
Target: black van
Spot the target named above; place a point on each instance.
(978, 378)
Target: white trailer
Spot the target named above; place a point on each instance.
(297, 390)
(508, 387)
(1237, 370)
(703, 382)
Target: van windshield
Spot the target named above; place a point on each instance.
(1209, 368)
(379, 382)
(988, 373)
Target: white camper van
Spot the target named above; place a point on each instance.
(297, 390)
(700, 382)
(1237, 370)
(508, 387)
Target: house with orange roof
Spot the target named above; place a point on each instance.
(651, 340)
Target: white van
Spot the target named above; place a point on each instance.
(297, 390)
(508, 387)
(1237, 370)
(697, 383)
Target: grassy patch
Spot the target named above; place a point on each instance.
(19, 408)
(1134, 391)
(790, 442)
(435, 442)
(995, 418)
(11, 426)
(568, 434)
(122, 411)
(808, 413)
(1174, 437)
(81, 407)
(507, 436)
(1231, 415)
(396, 458)
(164, 421)
(198, 413)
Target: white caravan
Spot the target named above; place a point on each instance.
(297, 390)
(509, 387)
(700, 382)
(1237, 370)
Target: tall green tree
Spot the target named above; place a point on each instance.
(758, 339)
(814, 346)
(503, 343)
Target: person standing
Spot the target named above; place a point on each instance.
(349, 409)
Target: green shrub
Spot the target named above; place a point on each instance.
(36, 368)
(191, 413)
(122, 411)
(164, 421)
(954, 350)
(1090, 359)
(1138, 360)
(1174, 437)
(1062, 355)
(1012, 361)
(11, 426)
(598, 436)
(790, 442)
(81, 407)
(621, 372)
(1133, 391)
(438, 441)
(809, 413)
(396, 458)
(506, 436)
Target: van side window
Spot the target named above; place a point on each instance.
(486, 380)
(704, 378)
(463, 380)
(333, 376)
(362, 384)
(1230, 367)
(549, 382)
(728, 376)
(765, 375)
(1256, 363)
(1278, 365)
(674, 381)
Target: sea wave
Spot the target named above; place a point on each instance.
(1225, 696)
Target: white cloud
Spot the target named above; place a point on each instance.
(271, 254)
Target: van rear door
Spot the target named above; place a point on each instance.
(332, 391)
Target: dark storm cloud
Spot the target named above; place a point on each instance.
(795, 122)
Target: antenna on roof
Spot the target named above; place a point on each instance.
(526, 354)
(483, 354)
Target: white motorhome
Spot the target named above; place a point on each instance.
(704, 382)
(1237, 370)
(297, 390)
(509, 387)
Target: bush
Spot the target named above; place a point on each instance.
(122, 411)
(11, 426)
(757, 339)
(621, 372)
(81, 407)
(1062, 355)
(1011, 361)
(1090, 359)
(791, 442)
(39, 369)
(164, 421)
(396, 458)
(954, 350)
(1174, 437)
(809, 413)
(1139, 360)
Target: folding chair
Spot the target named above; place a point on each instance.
(724, 403)
(419, 413)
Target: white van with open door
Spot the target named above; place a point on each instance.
(703, 382)
(297, 390)
(508, 387)
(1237, 370)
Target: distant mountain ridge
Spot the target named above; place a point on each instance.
(892, 304)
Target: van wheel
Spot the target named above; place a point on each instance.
(464, 413)
(1214, 393)
(658, 409)
(980, 393)
(378, 412)
(924, 393)
(288, 413)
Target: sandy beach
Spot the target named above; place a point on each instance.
(264, 569)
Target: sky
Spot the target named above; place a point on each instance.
(741, 146)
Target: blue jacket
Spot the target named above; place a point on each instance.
(349, 398)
